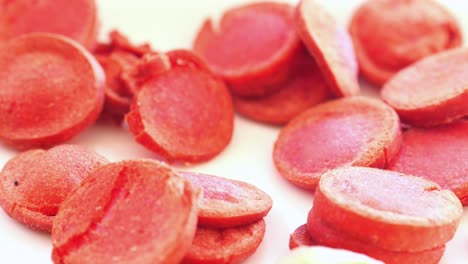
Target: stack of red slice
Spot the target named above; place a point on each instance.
(230, 220)
(387, 215)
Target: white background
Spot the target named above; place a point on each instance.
(172, 24)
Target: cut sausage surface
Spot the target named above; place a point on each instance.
(350, 131)
(183, 114)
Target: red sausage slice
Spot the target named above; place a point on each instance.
(51, 90)
(438, 154)
(399, 212)
(183, 114)
(355, 131)
(126, 212)
(407, 31)
(225, 246)
(325, 235)
(330, 45)
(251, 47)
(300, 238)
(76, 19)
(34, 183)
(423, 99)
(303, 90)
(228, 203)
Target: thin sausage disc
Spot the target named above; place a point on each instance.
(51, 89)
(350, 131)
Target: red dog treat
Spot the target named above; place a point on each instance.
(126, 212)
(330, 45)
(225, 246)
(423, 99)
(327, 236)
(304, 89)
(34, 183)
(399, 212)
(355, 131)
(183, 114)
(300, 238)
(251, 47)
(389, 35)
(52, 89)
(228, 203)
(76, 19)
(438, 154)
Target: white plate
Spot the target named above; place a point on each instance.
(173, 24)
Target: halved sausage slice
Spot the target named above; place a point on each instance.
(251, 47)
(51, 90)
(399, 212)
(330, 45)
(128, 212)
(228, 203)
(423, 99)
(438, 154)
(355, 131)
(76, 19)
(225, 246)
